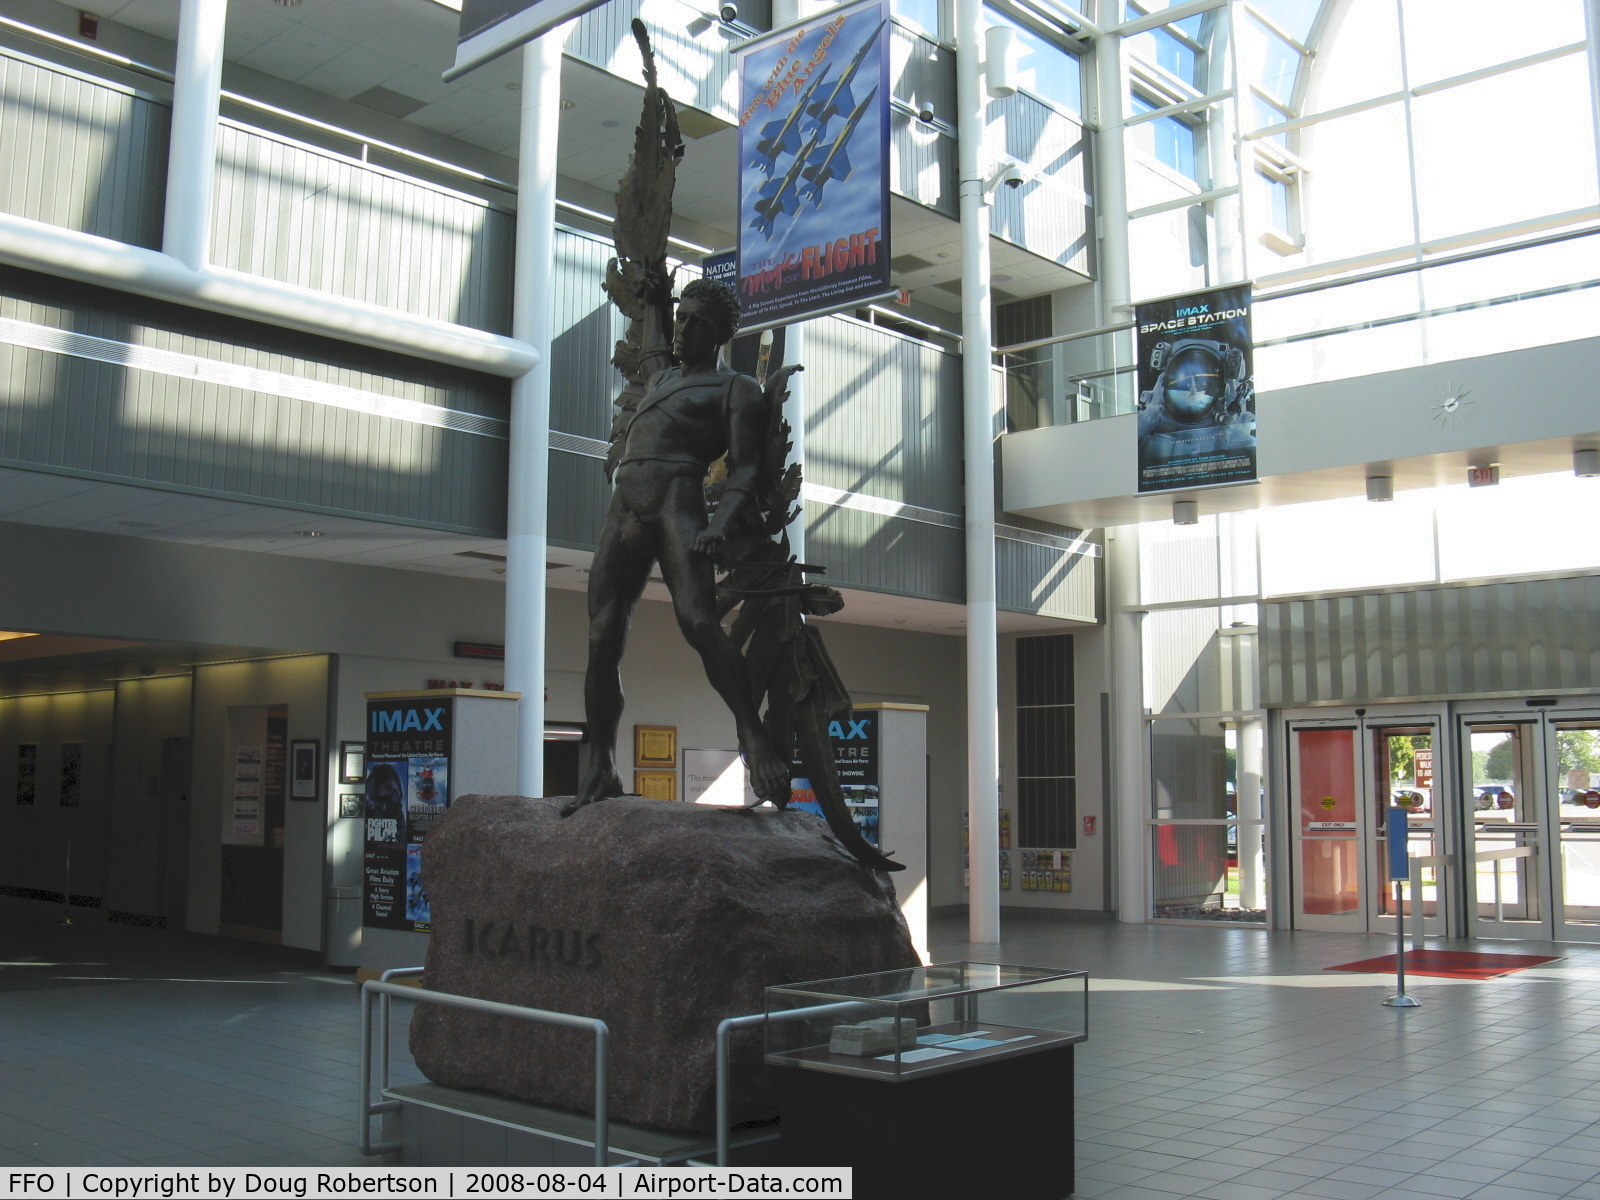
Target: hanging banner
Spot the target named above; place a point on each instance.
(1197, 401)
(407, 790)
(489, 28)
(814, 167)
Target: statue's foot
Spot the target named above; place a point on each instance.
(604, 786)
(769, 776)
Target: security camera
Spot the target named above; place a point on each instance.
(925, 115)
(1012, 176)
(729, 13)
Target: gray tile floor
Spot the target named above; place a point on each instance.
(1225, 1064)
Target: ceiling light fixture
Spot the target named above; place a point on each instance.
(1380, 488)
(1186, 512)
(1586, 462)
(308, 533)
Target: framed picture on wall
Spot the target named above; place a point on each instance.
(303, 762)
(352, 762)
(656, 785)
(350, 804)
(655, 746)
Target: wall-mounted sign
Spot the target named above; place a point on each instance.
(1197, 405)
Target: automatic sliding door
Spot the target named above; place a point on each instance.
(1576, 751)
(1506, 843)
(1328, 842)
(1402, 773)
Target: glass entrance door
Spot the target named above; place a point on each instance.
(1343, 773)
(1532, 811)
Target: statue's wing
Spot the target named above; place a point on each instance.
(816, 753)
(637, 279)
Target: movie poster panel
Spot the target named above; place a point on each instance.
(855, 759)
(813, 167)
(1197, 401)
(407, 790)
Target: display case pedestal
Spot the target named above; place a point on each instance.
(998, 1128)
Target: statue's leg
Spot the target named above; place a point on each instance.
(617, 576)
(692, 581)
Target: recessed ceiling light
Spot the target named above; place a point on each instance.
(308, 532)
(609, 123)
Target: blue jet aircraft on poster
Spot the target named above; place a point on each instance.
(813, 177)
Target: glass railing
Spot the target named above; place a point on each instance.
(1535, 292)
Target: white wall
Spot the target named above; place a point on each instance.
(1518, 396)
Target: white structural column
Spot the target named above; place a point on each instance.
(1131, 829)
(192, 154)
(528, 490)
(983, 689)
(1127, 802)
(1591, 23)
(1110, 168)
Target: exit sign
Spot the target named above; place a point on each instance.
(1483, 476)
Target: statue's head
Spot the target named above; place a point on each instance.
(720, 303)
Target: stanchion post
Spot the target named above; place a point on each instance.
(1399, 873)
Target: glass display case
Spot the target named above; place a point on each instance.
(920, 1021)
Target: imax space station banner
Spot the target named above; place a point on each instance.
(814, 167)
(1197, 401)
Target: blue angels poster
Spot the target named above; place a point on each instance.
(813, 167)
(1197, 403)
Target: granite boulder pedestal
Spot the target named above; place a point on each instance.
(659, 918)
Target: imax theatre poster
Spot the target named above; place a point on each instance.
(1197, 403)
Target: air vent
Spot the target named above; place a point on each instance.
(381, 99)
(695, 124)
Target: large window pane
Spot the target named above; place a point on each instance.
(1523, 527)
(1200, 660)
(1357, 58)
(1207, 561)
(1338, 545)
(1445, 38)
(1346, 213)
(1169, 140)
(1505, 149)
(1043, 68)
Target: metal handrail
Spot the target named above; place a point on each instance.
(1358, 277)
(725, 1066)
(386, 990)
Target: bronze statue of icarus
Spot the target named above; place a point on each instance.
(681, 411)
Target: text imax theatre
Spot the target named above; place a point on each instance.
(1205, 446)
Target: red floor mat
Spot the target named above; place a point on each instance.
(1450, 964)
